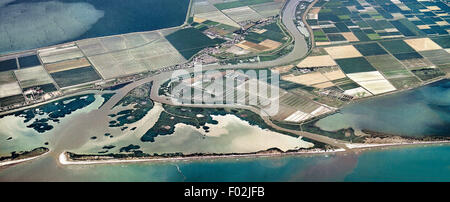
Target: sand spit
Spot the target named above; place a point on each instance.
(11, 162)
(65, 160)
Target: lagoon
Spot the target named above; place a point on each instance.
(419, 112)
(39, 23)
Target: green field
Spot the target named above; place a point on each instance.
(336, 37)
(7, 77)
(273, 33)
(437, 57)
(408, 56)
(378, 15)
(397, 46)
(385, 63)
(345, 83)
(405, 82)
(428, 73)
(239, 3)
(443, 41)
(355, 65)
(5, 101)
(190, 41)
(75, 76)
(369, 49)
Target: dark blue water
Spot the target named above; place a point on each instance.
(135, 16)
(31, 24)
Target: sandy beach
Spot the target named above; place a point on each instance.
(64, 160)
(5, 163)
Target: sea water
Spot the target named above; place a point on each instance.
(32, 24)
(412, 163)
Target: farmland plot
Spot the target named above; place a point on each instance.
(28, 61)
(308, 79)
(365, 76)
(239, 3)
(14, 99)
(190, 41)
(130, 54)
(378, 86)
(242, 14)
(405, 82)
(7, 65)
(202, 6)
(268, 9)
(7, 77)
(33, 76)
(217, 16)
(397, 46)
(339, 52)
(355, 65)
(437, 57)
(333, 73)
(422, 44)
(8, 85)
(75, 76)
(56, 54)
(389, 66)
(67, 65)
(317, 61)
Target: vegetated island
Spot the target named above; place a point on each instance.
(385, 138)
(67, 158)
(22, 156)
(376, 140)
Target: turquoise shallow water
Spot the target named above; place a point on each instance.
(414, 163)
(419, 112)
(29, 24)
(422, 163)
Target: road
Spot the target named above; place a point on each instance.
(300, 44)
(299, 51)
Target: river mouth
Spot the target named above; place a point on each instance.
(420, 112)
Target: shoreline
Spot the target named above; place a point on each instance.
(12, 162)
(187, 16)
(64, 159)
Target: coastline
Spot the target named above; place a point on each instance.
(64, 158)
(12, 162)
(352, 147)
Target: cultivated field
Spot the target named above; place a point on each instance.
(338, 52)
(117, 56)
(75, 76)
(242, 14)
(67, 65)
(28, 61)
(334, 20)
(422, 44)
(377, 86)
(10, 89)
(7, 65)
(51, 55)
(317, 61)
(33, 76)
(268, 9)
